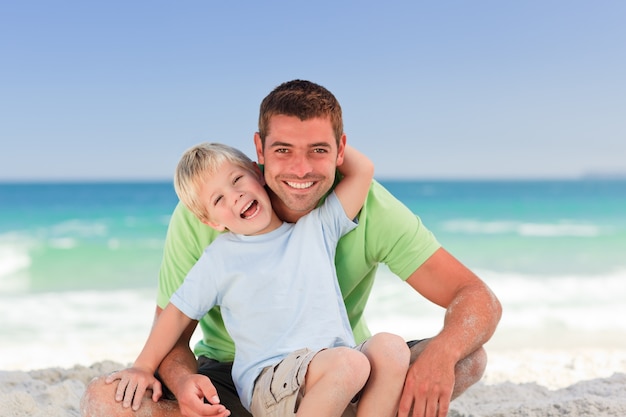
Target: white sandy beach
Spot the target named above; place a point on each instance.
(532, 371)
(517, 383)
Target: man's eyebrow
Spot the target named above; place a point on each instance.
(281, 145)
(320, 144)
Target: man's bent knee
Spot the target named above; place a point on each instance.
(468, 371)
(99, 401)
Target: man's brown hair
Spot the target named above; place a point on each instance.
(302, 99)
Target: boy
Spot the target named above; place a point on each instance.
(278, 295)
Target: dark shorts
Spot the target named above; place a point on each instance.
(220, 375)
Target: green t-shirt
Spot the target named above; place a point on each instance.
(388, 232)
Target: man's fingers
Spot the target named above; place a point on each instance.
(209, 391)
(157, 391)
(431, 408)
(444, 405)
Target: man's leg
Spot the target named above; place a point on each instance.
(99, 397)
(468, 371)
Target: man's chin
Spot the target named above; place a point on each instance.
(299, 203)
(301, 206)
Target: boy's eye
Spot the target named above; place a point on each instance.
(217, 200)
(237, 178)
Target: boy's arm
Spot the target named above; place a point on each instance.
(163, 336)
(358, 172)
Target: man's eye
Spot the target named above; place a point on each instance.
(281, 150)
(320, 150)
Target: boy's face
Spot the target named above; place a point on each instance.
(235, 199)
(300, 159)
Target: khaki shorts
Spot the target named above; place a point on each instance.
(277, 389)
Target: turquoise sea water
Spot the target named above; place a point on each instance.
(87, 255)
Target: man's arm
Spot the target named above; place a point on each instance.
(178, 370)
(358, 172)
(472, 314)
(134, 381)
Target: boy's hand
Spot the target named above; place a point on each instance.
(132, 386)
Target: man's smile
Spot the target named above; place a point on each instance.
(300, 185)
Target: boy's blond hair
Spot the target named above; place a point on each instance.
(197, 165)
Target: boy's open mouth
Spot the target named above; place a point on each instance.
(250, 210)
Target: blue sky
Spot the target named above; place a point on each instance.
(452, 89)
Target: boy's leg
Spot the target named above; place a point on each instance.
(333, 378)
(389, 356)
(308, 383)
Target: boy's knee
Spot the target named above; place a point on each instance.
(388, 349)
(353, 366)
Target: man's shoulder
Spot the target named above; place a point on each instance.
(184, 222)
(378, 197)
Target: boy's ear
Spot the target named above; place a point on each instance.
(213, 225)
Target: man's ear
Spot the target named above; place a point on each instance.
(213, 225)
(258, 173)
(341, 149)
(258, 145)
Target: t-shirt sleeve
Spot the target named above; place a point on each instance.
(334, 219)
(197, 294)
(402, 241)
(184, 243)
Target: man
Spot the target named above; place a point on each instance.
(299, 143)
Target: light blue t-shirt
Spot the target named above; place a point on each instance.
(277, 292)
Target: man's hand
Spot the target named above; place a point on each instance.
(197, 397)
(132, 386)
(428, 387)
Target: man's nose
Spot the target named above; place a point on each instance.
(301, 165)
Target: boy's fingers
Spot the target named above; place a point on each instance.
(113, 376)
(138, 396)
(129, 394)
(121, 388)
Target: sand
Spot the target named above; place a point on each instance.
(517, 383)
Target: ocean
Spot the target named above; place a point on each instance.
(79, 264)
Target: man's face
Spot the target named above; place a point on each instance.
(300, 158)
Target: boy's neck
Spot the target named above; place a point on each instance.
(275, 223)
